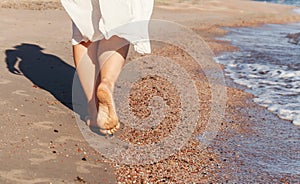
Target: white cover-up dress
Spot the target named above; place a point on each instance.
(97, 19)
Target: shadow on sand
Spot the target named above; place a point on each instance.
(46, 71)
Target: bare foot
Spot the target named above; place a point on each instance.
(91, 119)
(107, 119)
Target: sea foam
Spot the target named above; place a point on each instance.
(268, 65)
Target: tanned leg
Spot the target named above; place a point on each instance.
(112, 54)
(86, 62)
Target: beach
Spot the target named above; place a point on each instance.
(41, 141)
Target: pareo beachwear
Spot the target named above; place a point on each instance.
(94, 20)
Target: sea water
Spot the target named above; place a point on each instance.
(288, 2)
(268, 64)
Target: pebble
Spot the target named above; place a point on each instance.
(297, 123)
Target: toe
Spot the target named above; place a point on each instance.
(87, 120)
(110, 132)
(88, 123)
(114, 130)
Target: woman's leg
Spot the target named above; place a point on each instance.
(85, 58)
(112, 54)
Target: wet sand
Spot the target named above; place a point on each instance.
(41, 142)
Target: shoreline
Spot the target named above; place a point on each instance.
(213, 164)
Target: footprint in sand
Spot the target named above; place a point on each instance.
(43, 144)
(55, 110)
(4, 81)
(20, 92)
(44, 125)
(43, 156)
(64, 139)
(82, 167)
(21, 176)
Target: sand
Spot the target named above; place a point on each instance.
(41, 142)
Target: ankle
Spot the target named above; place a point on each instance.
(92, 108)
